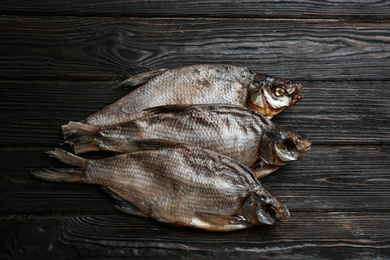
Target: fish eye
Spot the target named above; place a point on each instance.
(289, 145)
(278, 91)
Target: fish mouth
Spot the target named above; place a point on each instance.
(296, 96)
(303, 150)
(292, 147)
(285, 216)
(306, 149)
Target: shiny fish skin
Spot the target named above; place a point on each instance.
(231, 130)
(180, 184)
(201, 84)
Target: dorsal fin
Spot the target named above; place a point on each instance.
(141, 78)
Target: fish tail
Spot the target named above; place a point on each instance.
(68, 158)
(65, 174)
(60, 175)
(80, 137)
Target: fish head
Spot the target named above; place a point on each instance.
(269, 95)
(263, 208)
(280, 146)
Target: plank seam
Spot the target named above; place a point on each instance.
(358, 18)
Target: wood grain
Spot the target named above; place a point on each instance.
(353, 112)
(73, 48)
(374, 9)
(60, 60)
(306, 236)
(328, 178)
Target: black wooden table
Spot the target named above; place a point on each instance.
(61, 59)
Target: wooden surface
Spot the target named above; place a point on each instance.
(61, 59)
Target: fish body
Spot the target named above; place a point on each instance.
(179, 184)
(228, 129)
(200, 84)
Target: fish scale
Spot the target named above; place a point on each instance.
(202, 196)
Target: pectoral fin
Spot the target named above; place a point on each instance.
(215, 222)
(124, 205)
(262, 169)
(130, 209)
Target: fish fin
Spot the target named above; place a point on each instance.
(129, 208)
(262, 169)
(168, 108)
(124, 205)
(68, 158)
(216, 222)
(61, 175)
(80, 137)
(140, 78)
(149, 144)
(65, 174)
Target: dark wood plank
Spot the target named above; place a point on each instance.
(215, 8)
(341, 113)
(24, 194)
(328, 178)
(74, 48)
(330, 113)
(60, 59)
(332, 235)
(35, 111)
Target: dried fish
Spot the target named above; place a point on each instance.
(228, 129)
(179, 184)
(201, 84)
